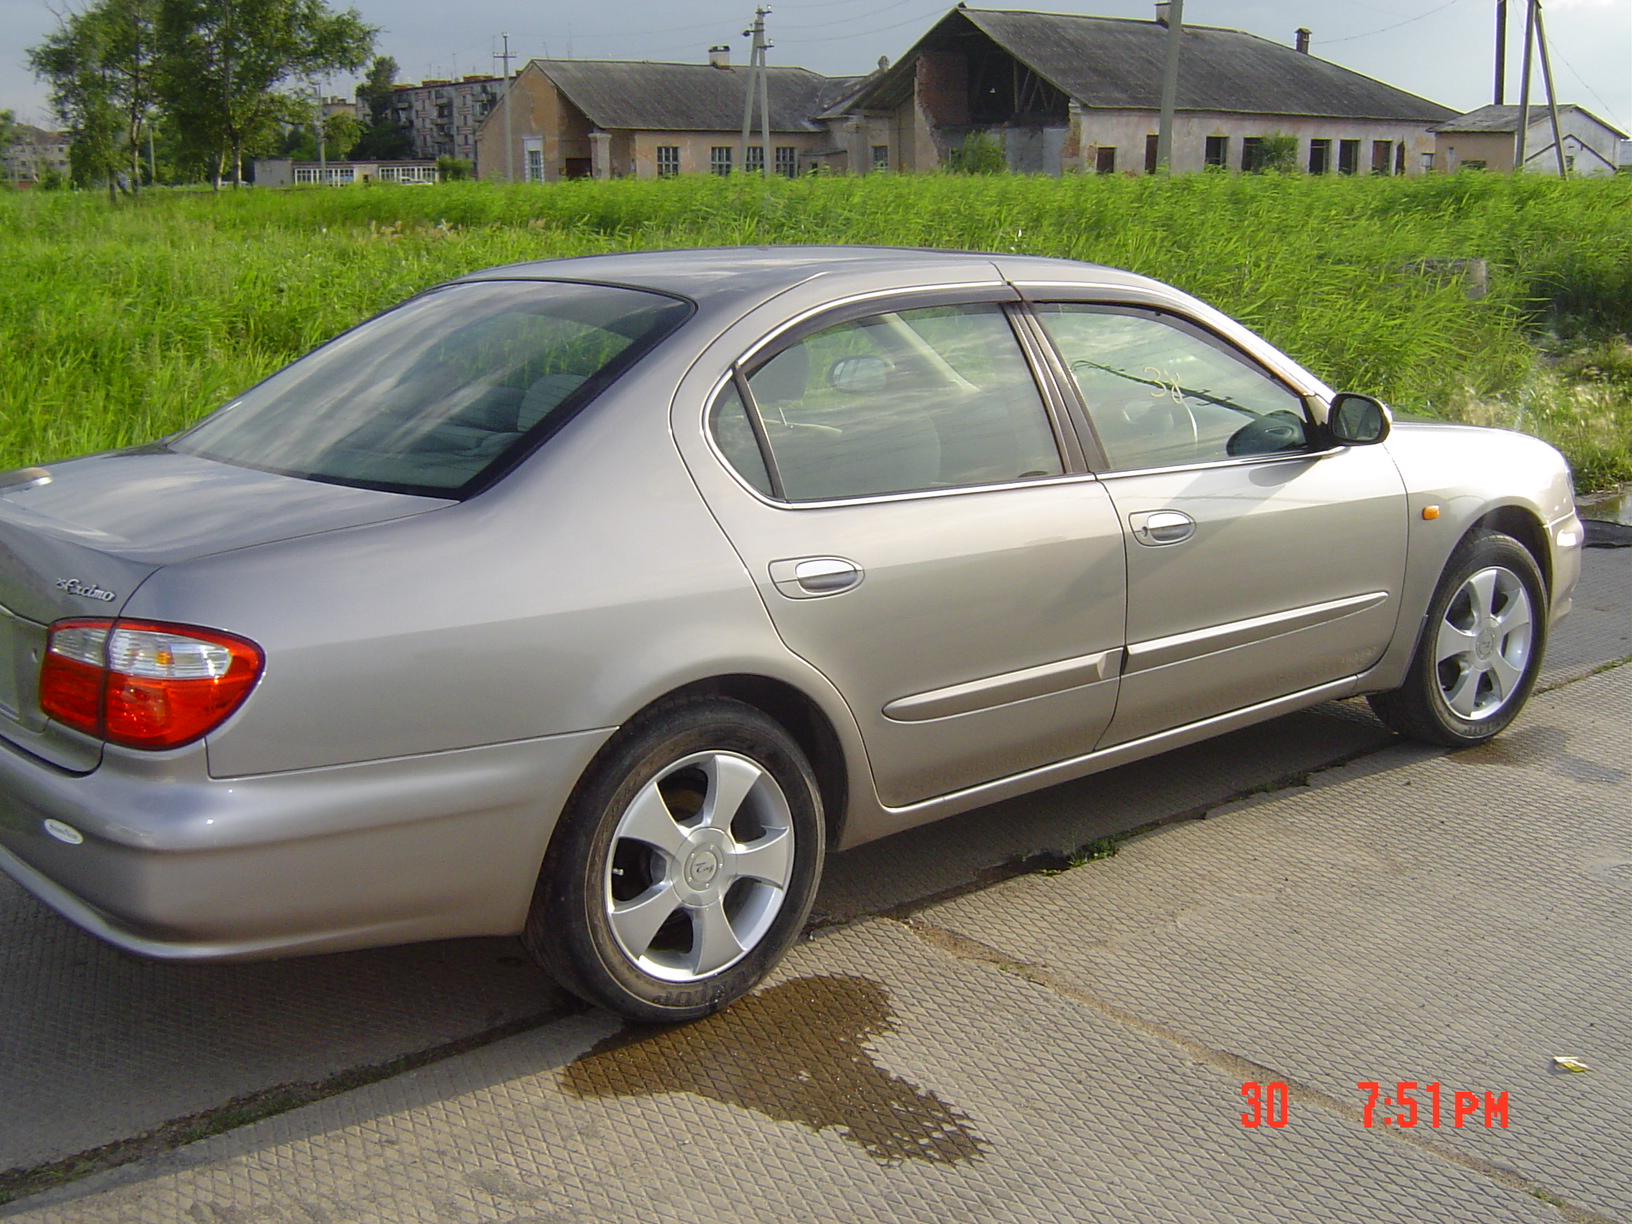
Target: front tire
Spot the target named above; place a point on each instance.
(685, 864)
(1480, 649)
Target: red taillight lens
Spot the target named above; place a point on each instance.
(145, 684)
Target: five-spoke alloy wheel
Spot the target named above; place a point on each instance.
(1480, 649)
(684, 866)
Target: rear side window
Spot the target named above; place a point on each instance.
(906, 401)
(442, 392)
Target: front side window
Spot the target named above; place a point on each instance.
(900, 402)
(434, 395)
(1162, 393)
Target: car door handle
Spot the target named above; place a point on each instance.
(810, 577)
(1157, 527)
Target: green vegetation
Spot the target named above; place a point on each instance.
(118, 325)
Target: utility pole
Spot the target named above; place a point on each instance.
(1535, 31)
(1170, 88)
(1501, 52)
(322, 150)
(1524, 86)
(509, 140)
(758, 86)
(1552, 95)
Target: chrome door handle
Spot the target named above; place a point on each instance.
(1157, 527)
(810, 577)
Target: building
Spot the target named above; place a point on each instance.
(1487, 139)
(441, 117)
(282, 172)
(621, 118)
(32, 152)
(1066, 93)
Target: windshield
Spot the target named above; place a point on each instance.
(441, 394)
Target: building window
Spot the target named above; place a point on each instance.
(1218, 151)
(1382, 156)
(719, 159)
(668, 161)
(787, 160)
(1348, 157)
(1427, 162)
(881, 157)
(1252, 153)
(534, 156)
(1105, 160)
(755, 163)
(1320, 156)
(1153, 146)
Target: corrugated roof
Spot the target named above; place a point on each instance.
(689, 97)
(1506, 119)
(1115, 63)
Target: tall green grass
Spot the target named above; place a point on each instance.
(121, 324)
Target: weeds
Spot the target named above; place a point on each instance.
(118, 325)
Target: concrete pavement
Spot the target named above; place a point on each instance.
(1067, 1046)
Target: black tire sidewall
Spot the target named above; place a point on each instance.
(567, 930)
(1479, 552)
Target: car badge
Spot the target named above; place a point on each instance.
(89, 590)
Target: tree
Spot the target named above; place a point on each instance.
(224, 60)
(100, 65)
(383, 138)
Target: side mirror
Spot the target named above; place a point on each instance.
(1357, 420)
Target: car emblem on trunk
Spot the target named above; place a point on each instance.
(75, 587)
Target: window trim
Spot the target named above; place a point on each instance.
(1101, 463)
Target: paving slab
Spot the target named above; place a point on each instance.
(97, 1045)
(877, 1078)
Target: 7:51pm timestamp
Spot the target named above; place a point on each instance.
(1269, 1105)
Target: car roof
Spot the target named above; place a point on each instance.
(704, 273)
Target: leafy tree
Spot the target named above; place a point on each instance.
(224, 60)
(383, 138)
(100, 67)
(1277, 151)
(452, 169)
(8, 129)
(981, 153)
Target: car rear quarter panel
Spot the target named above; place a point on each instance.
(562, 600)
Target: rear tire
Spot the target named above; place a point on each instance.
(684, 866)
(1481, 647)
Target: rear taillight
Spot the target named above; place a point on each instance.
(144, 684)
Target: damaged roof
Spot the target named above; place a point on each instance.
(638, 94)
(1115, 63)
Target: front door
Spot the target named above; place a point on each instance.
(1259, 564)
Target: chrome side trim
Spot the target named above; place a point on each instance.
(1159, 652)
(1004, 689)
(948, 804)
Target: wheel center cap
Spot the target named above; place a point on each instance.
(702, 866)
(1485, 644)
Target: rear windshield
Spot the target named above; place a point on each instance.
(444, 393)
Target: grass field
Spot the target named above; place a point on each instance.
(120, 324)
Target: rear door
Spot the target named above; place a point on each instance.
(1259, 562)
(923, 532)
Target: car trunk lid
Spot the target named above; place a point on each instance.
(78, 538)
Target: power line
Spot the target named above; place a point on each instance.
(1395, 26)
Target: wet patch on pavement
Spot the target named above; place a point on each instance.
(795, 1052)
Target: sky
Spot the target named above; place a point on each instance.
(1443, 50)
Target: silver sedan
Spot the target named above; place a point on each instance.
(595, 600)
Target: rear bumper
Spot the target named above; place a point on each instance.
(177, 865)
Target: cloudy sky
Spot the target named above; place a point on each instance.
(1441, 49)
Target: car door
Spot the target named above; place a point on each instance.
(920, 535)
(1261, 562)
